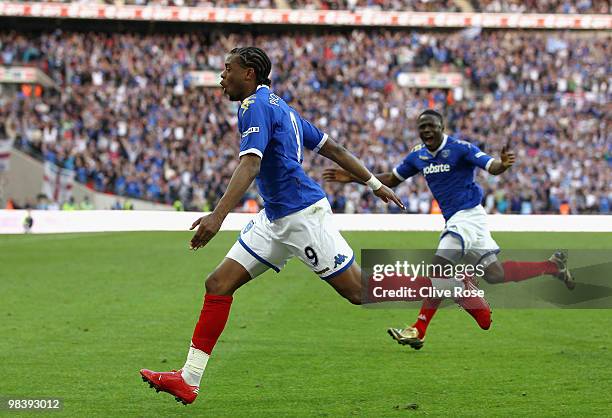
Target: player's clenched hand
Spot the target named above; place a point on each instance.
(386, 194)
(208, 227)
(336, 175)
(508, 157)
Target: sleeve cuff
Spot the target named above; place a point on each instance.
(251, 151)
(489, 164)
(321, 143)
(396, 174)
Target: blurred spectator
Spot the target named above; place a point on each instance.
(86, 204)
(116, 205)
(28, 222)
(69, 205)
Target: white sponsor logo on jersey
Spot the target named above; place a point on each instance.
(274, 99)
(436, 168)
(251, 130)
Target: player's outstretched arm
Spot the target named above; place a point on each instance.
(243, 176)
(338, 175)
(354, 168)
(507, 160)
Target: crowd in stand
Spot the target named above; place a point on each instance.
(512, 6)
(548, 6)
(127, 118)
(396, 5)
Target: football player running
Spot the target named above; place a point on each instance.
(296, 220)
(448, 165)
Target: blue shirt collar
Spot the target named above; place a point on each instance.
(258, 87)
(442, 145)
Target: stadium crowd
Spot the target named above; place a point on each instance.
(538, 6)
(127, 118)
(512, 6)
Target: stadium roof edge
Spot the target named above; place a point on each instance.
(365, 18)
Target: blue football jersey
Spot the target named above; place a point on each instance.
(274, 131)
(449, 172)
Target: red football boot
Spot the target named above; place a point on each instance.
(476, 306)
(171, 382)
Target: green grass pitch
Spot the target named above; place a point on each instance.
(80, 314)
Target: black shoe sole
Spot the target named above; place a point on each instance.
(414, 343)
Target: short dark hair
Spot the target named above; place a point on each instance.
(432, 112)
(257, 59)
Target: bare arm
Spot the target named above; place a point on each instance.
(338, 154)
(497, 167)
(389, 179)
(355, 168)
(243, 176)
(507, 159)
(352, 172)
(342, 176)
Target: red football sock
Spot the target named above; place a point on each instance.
(212, 320)
(515, 271)
(477, 307)
(427, 312)
(482, 316)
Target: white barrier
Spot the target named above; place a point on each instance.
(11, 222)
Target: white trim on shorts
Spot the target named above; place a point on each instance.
(265, 244)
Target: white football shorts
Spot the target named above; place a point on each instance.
(309, 234)
(466, 237)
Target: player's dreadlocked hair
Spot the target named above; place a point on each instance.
(257, 59)
(432, 112)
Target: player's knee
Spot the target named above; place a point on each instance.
(216, 286)
(493, 278)
(494, 274)
(354, 298)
